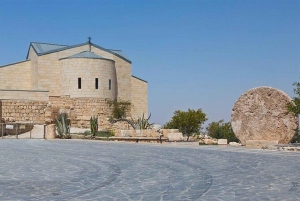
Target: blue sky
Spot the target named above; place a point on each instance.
(194, 54)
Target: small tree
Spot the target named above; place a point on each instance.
(187, 122)
(294, 107)
(221, 130)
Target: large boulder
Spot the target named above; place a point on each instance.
(261, 114)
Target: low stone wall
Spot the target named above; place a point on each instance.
(80, 111)
(137, 133)
(175, 137)
(24, 110)
(166, 132)
(171, 134)
(258, 144)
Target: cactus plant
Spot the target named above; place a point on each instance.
(94, 126)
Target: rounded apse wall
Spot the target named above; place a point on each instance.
(84, 77)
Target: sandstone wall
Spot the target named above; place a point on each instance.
(80, 111)
(49, 69)
(24, 110)
(139, 98)
(33, 68)
(16, 76)
(44, 72)
(24, 95)
(123, 71)
(88, 70)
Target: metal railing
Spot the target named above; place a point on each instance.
(23, 130)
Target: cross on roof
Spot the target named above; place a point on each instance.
(90, 42)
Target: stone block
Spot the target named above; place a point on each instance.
(235, 144)
(139, 133)
(258, 144)
(222, 142)
(210, 141)
(165, 132)
(175, 136)
(50, 132)
(126, 133)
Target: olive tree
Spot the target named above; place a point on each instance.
(187, 122)
(294, 108)
(221, 130)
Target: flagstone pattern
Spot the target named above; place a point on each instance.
(94, 170)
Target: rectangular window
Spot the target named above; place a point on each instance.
(96, 83)
(109, 84)
(79, 83)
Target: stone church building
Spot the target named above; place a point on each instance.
(78, 78)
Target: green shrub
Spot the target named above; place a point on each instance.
(119, 108)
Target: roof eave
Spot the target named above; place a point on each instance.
(86, 58)
(15, 63)
(139, 78)
(107, 50)
(29, 50)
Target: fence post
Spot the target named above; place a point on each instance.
(17, 130)
(30, 124)
(44, 131)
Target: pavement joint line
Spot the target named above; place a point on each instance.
(96, 170)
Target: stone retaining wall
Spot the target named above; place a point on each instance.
(23, 110)
(80, 111)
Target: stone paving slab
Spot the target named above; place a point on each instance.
(95, 170)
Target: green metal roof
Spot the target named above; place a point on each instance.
(46, 48)
(119, 52)
(86, 54)
(42, 48)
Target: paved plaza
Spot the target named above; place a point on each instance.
(95, 170)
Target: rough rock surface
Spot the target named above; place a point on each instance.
(260, 114)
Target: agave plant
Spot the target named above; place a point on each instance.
(140, 123)
(94, 126)
(63, 125)
(143, 123)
